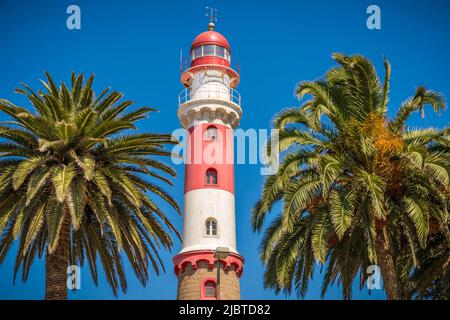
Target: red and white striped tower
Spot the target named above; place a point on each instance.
(209, 108)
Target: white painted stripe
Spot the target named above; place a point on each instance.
(201, 204)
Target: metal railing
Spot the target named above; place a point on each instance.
(229, 95)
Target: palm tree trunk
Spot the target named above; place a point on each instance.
(56, 265)
(386, 263)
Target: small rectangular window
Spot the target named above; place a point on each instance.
(210, 290)
(211, 176)
(211, 227)
(211, 133)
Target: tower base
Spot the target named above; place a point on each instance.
(196, 269)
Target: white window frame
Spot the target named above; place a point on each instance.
(209, 228)
(212, 131)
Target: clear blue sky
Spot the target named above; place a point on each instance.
(134, 47)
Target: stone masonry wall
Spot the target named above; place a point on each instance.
(190, 281)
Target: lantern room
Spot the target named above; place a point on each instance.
(210, 47)
(211, 50)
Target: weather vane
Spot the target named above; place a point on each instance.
(212, 14)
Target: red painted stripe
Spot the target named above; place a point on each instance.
(210, 60)
(204, 155)
(194, 257)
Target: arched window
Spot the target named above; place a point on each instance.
(209, 290)
(211, 176)
(211, 133)
(211, 227)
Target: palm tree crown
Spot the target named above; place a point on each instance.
(72, 184)
(356, 187)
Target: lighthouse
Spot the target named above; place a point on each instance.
(209, 266)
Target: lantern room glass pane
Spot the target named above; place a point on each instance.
(220, 51)
(211, 50)
(227, 55)
(208, 50)
(197, 53)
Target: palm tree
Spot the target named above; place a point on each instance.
(355, 187)
(431, 278)
(73, 187)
